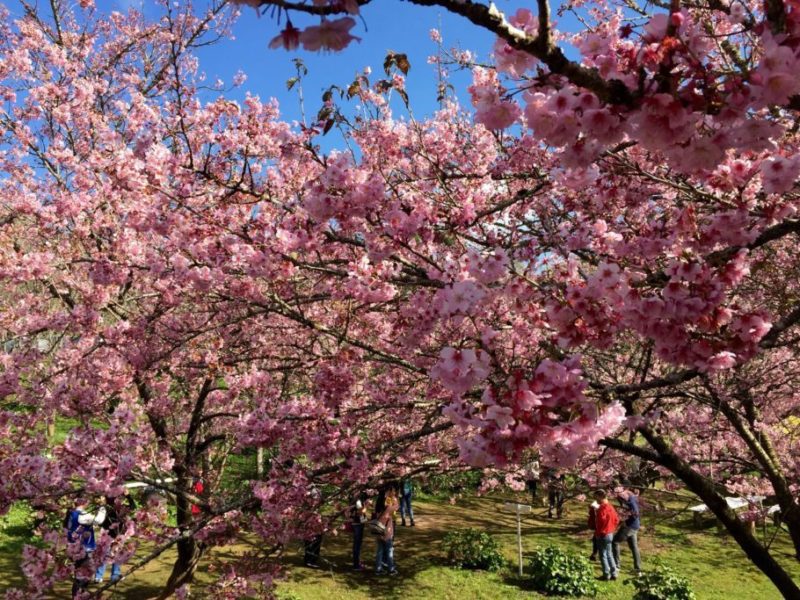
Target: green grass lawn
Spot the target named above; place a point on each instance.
(711, 561)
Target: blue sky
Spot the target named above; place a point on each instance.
(387, 25)
(390, 25)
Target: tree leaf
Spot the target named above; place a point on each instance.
(353, 90)
(389, 61)
(401, 60)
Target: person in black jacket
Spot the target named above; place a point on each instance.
(358, 520)
(117, 511)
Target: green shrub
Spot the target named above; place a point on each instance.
(449, 484)
(472, 549)
(561, 573)
(661, 583)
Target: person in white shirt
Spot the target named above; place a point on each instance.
(532, 475)
(80, 529)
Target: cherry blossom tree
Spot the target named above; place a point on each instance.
(649, 221)
(166, 305)
(598, 254)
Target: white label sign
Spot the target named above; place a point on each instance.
(520, 509)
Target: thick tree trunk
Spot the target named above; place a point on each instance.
(189, 554)
(189, 550)
(790, 514)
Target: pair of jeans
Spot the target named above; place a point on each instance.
(358, 539)
(385, 556)
(405, 507)
(532, 488)
(632, 537)
(607, 562)
(116, 572)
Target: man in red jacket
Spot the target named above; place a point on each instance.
(605, 524)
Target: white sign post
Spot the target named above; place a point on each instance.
(519, 509)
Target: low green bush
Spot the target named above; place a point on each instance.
(661, 583)
(562, 573)
(446, 485)
(472, 549)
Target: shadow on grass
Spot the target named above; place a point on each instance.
(512, 578)
(336, 561)
(135, 591)
(419, 549)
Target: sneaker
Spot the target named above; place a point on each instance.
(412, 523)
(404, 523)
(603, 578)
(393, 572)
(614, 577)
(313, 566)
(593, 557)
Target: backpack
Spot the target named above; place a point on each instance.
(75, 531)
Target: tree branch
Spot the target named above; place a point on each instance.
(488, 17)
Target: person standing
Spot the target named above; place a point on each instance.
(80, 530)
(385, 554)
(556, 485)
(358, 518)
(606, 522)
(629, 532)
(313, 545)
(592, 524)
(532, 474)
(114, 523)
(311, 551)
(406, 492)
(380, 502)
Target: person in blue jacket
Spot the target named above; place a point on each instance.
(630, 529)
(80, 530)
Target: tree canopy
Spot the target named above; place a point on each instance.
(594, 262)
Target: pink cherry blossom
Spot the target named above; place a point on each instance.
(328, 35)
(288, 38)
